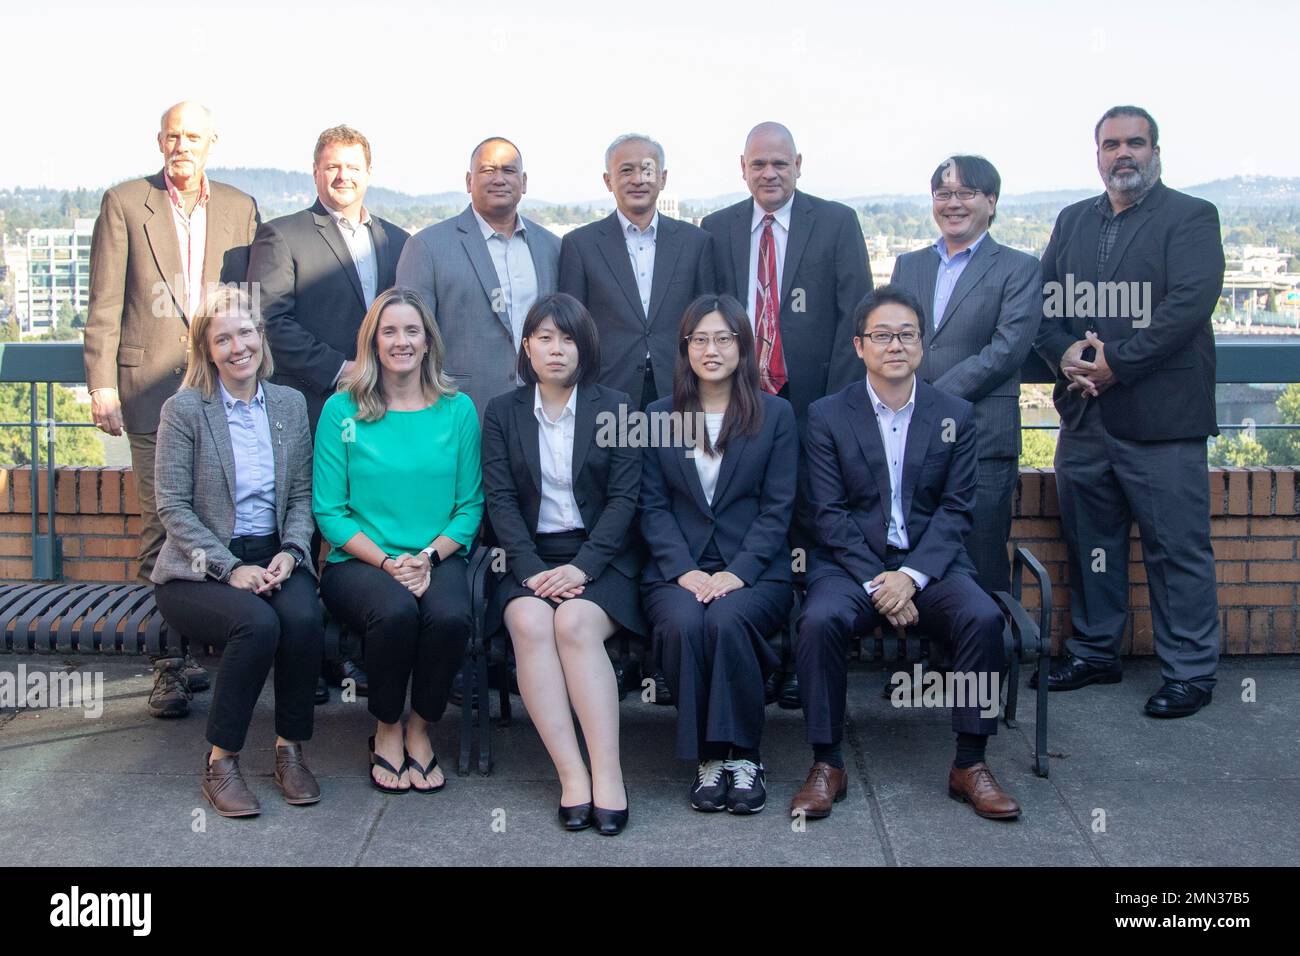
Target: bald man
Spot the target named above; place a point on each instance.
(799, 265)
(482, 271)
(160, 244)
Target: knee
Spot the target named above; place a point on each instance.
(259, 633)
(823, 625)
(398, 617)
(725, 624)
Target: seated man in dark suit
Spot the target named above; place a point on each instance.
(892, 471)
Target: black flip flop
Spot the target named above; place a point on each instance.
(424, 772)
(382, 764)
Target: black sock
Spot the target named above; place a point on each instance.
(713, 751)
(745, 753)
(970, 750)
(829, 753)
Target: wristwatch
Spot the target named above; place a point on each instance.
(431, 553)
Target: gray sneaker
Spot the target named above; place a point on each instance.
(170, 696)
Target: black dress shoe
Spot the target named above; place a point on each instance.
(1071, 673)
(608, 822)
(790, 699)
(322, 691)
(576, 818)
(663, 694)
(351, 670)
(772, 687)
(1178, 698)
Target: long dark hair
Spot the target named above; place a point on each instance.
(744, 415)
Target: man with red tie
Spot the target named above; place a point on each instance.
(799, 264)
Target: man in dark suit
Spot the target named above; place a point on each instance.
(982, 303)
(319, 270)
(636, 272)
(1130, 281)
(798, 264)
(160, 245)
(892, 472)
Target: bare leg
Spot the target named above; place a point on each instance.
(581, 629)
(388, 744)
(530, 621)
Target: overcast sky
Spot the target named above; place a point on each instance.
(876, 93)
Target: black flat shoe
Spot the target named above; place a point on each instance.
(790, 699)
(1178, 698)
(576, 818)
(608, 822)
(1071, 673)
(322, 695)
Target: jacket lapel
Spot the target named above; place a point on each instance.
(526, 430)
(160, 229)
(929, 279)
(691, 475)
(584, 427)
(384, 267)
(667, 248)
(740, 237)
(918, 441)
(276, 422)
(613, 246)
(215, 411)
(980, 263)
(802, 221)
(730, 459)
(330, 233)
(471, 237)
(543, 266)
(216, 241)
(863, 422)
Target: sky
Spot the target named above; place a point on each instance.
(877, 94)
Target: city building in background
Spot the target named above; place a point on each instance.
(58, 278)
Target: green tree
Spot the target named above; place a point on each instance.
(72, 446)
(1238, 451)
(1038, 448)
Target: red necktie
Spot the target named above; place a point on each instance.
(767, 314)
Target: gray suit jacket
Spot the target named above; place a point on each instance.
(195, 482)
(986, 332)
(448, 263)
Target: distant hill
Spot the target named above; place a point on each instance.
(282, 187)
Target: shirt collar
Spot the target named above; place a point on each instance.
(941, 247)
(570, 407)
(489, 232)
(174, 194)
(230, 401)
(338, 216)
(880, 406)
(651, 230)
(1103, 206)
(782, 215)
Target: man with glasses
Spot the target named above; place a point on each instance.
(982, 303)
(892, 473)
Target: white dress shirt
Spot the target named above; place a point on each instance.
(641, 250)
(559, 509)
(893, 427)
(192, 237)
(708, 466)
(362, 246)
(515, 271)
(781, 239)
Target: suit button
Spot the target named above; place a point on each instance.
(176, 371)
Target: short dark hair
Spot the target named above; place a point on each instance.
(976, 172)
(885, 295)
(1128, 111)
(495, 139)
(571, 318)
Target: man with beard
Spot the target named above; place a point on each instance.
(1130, 280)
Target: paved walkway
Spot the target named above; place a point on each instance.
(1218, 788)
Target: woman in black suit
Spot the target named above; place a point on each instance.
(563, 505)
(715, 514)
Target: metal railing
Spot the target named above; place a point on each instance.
(51, 363)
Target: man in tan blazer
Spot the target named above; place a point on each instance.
(160, 244)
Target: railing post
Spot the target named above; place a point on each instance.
(47, 551)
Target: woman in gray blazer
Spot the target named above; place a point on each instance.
(233, 485)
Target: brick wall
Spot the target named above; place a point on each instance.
(1255, 527)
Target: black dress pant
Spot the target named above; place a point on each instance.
(954, 608)
(282, 627)
(716, 658)
(408, 640)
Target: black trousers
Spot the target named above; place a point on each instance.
(987, 542)
(837, 607)
(408, 641)
(716, 658)
(283, 628)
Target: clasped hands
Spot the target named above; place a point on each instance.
(411, 571)
(892, 596)
(1091, 378)
(707, 586)
(262, 580)
(558, 584)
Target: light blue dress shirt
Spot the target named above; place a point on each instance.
(250, 441)
(893, 427)
(950, 270)
(515, 270)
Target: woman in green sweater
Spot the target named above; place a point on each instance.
(398, 494)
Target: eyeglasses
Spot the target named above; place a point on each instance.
(906, 337)
(943, 195)
(700, 340)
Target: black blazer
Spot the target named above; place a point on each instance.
(606, 480)
(311, 296)
(826, 260)
(753, 503)
(848, 484)
(595, 270)
(1164, 364)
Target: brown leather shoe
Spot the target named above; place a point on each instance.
(224, 788)
(293, 778)
(825, 786)
(977, 786)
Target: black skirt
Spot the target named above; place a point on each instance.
(615, 593)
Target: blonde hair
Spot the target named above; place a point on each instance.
(225, 299)
(365, 384)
